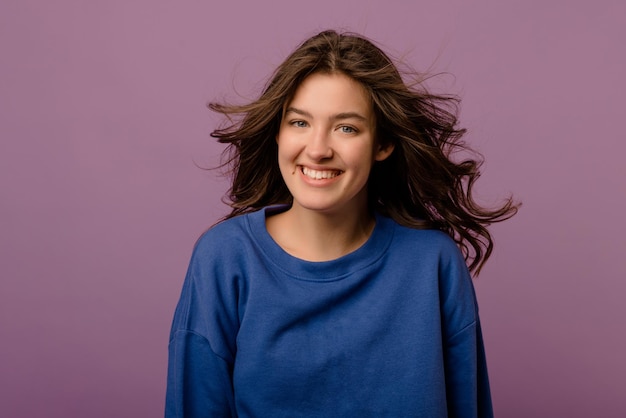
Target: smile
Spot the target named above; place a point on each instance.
(320, 174)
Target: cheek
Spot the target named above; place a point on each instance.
(285, 160)
(287, 150)
(361, 157)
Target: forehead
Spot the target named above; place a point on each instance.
(331, 93)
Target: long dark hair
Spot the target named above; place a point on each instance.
(420, 185)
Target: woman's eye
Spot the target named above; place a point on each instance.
(299, 123)
(347, 129)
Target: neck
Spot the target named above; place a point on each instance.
(315, 236)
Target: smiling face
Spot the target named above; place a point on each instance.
(327, 145)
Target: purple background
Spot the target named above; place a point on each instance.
(103, 121)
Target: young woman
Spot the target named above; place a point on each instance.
(338, 285)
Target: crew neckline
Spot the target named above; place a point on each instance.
(320, 271)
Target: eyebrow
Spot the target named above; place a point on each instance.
(338, 116)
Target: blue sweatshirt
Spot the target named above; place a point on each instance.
(389, 330)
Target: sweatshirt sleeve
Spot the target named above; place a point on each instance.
(202, 340)
(198, 382)
(467, 383)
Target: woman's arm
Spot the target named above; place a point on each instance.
(202, 341)
(199, 382)
(467, 383)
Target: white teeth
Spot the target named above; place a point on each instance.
(318, 175)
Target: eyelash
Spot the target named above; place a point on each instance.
(299, 123)
(343, 129)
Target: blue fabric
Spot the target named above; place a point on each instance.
(390, 330)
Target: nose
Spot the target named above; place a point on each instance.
(319, 146)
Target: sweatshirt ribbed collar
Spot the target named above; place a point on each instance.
(323, 271)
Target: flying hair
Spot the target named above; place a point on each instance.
(419, 186)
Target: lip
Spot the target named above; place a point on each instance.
(319, 176)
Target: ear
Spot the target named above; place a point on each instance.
(383, 151)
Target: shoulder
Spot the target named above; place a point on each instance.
(224, 244)
(433, 257)
(235, 244)
(434, 251)
(226, 233)
(426, 242)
